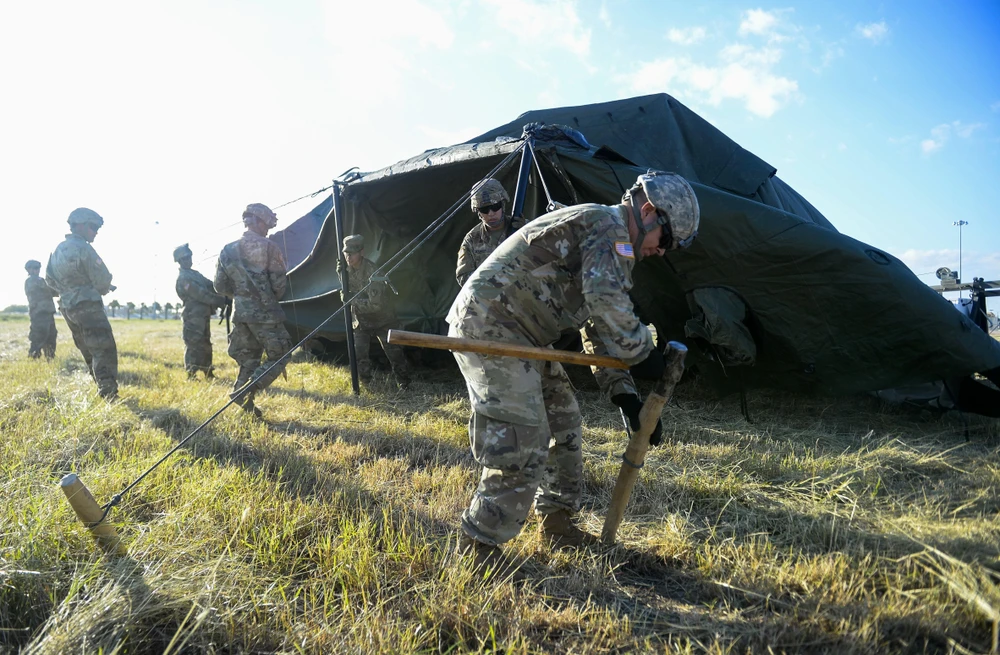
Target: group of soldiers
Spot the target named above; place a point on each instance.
(528, 284)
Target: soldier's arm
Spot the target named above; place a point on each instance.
(466, 265)
(223, 284)
(98, 273)
(613, 323)
(276, 273)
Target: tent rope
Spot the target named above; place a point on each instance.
(239, 394)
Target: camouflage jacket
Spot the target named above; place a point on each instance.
(571, 269)
(371, 309)
(77, 273)
(479, 243)
(196, 292)
(39, 296)
(251, 271)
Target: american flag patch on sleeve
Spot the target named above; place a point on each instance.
(624, 249)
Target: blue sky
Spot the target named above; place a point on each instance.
(169, 117)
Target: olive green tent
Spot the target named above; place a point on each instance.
(769, 295)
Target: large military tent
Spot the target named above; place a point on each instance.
(770, 294)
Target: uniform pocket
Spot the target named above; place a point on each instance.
(495, 444)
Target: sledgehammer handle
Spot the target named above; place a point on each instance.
(638, 444)
(421, 340)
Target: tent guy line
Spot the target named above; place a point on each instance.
(411, 247)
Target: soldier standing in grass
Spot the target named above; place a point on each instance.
(80, 278)
(200, 300)
(251, 271)
(41, 312)
(489, 201)
(570, 269)
(372, 313)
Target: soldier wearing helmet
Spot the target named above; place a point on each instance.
(372, 313)
(41, 312)
(567, 270)
(489, 203)
(251, 271)
(80, 277)
(200, 300)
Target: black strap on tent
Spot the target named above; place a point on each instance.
(239, 394)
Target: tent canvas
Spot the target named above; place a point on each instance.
(770, 294)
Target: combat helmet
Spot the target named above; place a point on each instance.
(180, 252)
(354, 243)
(488, 192)
(262, 212)
(677, 206)
(32, 263)
(84, 216)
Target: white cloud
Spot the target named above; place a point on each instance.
(555, 23)
(842, 146)
(995, 106)
(758, 22)
(941, 134)
(373, 60)
(744, 74)
(686, 35)
(604, 15)
(930, 145)
(874, 32)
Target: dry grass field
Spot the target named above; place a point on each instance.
(825, 526)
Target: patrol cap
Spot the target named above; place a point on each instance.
(672, 194)
(489, 192)
(354, 243)
(32, 263)
(84, 216)
(180, 252)
(262, 212)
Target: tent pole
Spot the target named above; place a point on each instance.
(338, 224)
(517, 211)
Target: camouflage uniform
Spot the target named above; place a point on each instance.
(479, 243)
(77, 273)
(252, 272)
(41, 312)
(570, 269)
(373, 317)
(200, 300)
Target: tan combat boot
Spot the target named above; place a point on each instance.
(486, 560)
(559, 531)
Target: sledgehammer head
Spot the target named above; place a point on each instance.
(90, 513)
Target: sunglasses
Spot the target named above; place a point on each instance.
(488, 209)
(667, 237)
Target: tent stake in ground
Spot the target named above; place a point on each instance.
(90, 513)
(638, 443)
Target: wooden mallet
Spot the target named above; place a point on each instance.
(638, 443)
(91, 514)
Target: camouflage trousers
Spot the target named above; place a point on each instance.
(524, 458)
(42, 336)
(93, 337)
(197, 333)
(247, 344)
(363, 336)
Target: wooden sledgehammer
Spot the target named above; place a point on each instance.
(421, 340)
(90, 513)
(638, 443)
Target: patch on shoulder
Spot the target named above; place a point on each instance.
(624, 248)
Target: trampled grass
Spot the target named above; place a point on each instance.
(826, 525)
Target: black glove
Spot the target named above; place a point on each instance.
(650, 368)
(630, 405)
